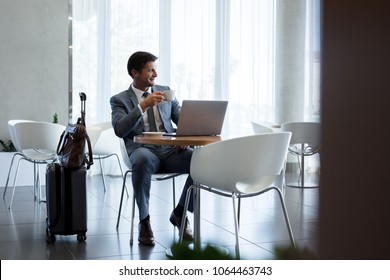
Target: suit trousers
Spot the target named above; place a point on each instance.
(151, 159)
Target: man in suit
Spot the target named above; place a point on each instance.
(131, 116)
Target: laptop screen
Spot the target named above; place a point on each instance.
(201, 117)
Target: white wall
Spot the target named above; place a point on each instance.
(33, 61)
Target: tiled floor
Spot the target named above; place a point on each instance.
(262, 224)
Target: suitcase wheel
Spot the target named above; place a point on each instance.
(81, 237)
(50, 238)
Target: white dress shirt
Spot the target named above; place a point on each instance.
(139, 94)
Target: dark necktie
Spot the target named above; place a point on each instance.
(152, 121)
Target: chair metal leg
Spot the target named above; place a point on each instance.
(13, 191)
(102, 173)
(174, 192)
(283, 174)
(288, 224)
(100, 158)
(197, 239)
(134, 202)
(183, 219)
(132, 222)
(197, 245)
(121, 201)
(196, 198)
(38, 184)
(236, 228)
(35, 181)
(239, 210)
(9, 171)
(120, 167)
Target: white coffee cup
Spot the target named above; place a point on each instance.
(169, 95)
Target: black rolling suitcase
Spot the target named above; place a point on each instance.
(66, 198)
(66, 192)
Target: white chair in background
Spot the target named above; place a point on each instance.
(156, 177)
(37, 142)
(268, 127)
(305, 141)
(264, 127)
(104, 145)
(238, 168)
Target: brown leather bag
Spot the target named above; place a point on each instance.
(71, 147)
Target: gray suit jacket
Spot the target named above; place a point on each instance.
(127, 119)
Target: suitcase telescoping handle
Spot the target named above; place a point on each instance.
(83, 96)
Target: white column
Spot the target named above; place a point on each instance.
(164, 57)
(103, 63)
(289, 60)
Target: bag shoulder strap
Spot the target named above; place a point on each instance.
(89, 160)
(60, 145)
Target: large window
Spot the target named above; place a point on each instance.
(207, 49)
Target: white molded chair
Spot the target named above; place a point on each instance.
(103, 142)
(264, 127)
(239, 168)
(37, 143)
(305, 141)
(156, 177)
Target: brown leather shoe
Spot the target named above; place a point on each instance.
(145, 236)
(176, 221)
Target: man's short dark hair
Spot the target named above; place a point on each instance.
(138, 60)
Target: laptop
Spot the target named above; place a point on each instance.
(201, 118)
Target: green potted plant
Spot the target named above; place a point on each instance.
(7, 146)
